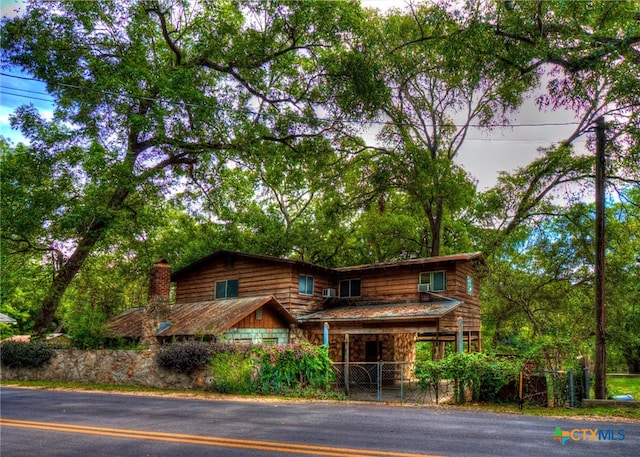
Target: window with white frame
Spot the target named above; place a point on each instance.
(227, 288)
(350, 288)
(436, 280)
(305, 285)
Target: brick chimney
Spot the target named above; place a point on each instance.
(157, 309)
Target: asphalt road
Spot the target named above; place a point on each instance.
(59, 423)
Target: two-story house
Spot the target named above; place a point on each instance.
(365, 312)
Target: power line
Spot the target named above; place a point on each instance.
(5, 91)
(195, 105)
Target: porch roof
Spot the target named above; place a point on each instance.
(389, 312)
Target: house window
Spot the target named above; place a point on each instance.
(437, 280)
(350, 288)
(305, 285)
(227, 288)
(469, 285)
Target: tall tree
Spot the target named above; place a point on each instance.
(428, 90)
(145, 90)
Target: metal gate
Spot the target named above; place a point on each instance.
(381, 382)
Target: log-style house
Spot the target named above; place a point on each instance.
(365, 313)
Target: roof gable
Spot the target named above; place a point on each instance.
(230, 255)
(199, 318)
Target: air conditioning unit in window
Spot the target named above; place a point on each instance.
(328, 292)
(424, 287)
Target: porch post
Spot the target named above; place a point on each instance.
(460, 335)
(346, 363)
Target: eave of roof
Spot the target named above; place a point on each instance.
(384, 313)
(205, 260)
(419, 261)
(7, 319)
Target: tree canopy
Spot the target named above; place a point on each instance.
(320, 131)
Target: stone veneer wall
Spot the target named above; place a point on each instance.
(108, 367)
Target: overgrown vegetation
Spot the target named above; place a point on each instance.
(19, 354)
(482, 375)
(295, 369)
(232, 369)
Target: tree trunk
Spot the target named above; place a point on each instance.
(73, 264)
(434, 216)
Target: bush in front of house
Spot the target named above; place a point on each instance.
(20, 354)
(301, 369)
(232, 368)
(483, 375)
(184, 356)
(292, 369)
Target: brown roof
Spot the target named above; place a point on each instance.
(384, 313)
(199, 318)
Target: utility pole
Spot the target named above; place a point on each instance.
(601, 327)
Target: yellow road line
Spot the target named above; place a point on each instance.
(206, 440)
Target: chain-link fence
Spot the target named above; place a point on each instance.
(396, 382)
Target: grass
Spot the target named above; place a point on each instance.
(620, 386)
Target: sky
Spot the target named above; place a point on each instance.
(483, 155)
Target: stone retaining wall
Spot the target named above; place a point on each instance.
(108, 367)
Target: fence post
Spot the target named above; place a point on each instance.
(402, 382)
(379, 383)
(572, 393)
(520, 388)
(586, 382)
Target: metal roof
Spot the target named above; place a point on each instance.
(417, 261)
(384, 313)
(199, 318)
(7, 319)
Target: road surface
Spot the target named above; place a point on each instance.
(62, 423)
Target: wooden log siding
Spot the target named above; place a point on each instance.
(256, 277)
(400, 283)
(269, 320)
(470, 310)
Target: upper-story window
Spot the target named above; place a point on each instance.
(350, 288)
(469, 285)
(434, 281)
(305, 285)
(227, 288)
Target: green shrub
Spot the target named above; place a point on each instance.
(232, 370)
(429, 374)
(293, 369)
(184, 356)
(18, 354)
(483, 375)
